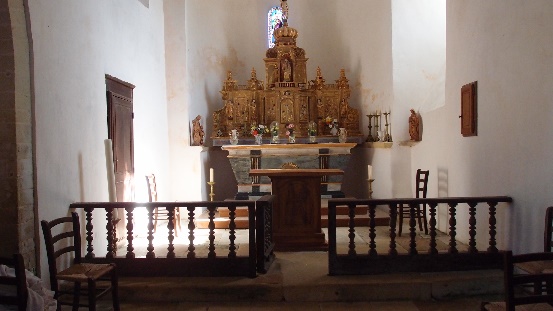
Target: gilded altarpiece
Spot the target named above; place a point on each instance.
(286, 96)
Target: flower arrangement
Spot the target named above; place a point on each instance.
(259, 129)
(290, 129)
(330, 122)
(274, 129)
(312, 132)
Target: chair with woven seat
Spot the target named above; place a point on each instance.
(17, 283)
(66, 243)
(421, 188)
(516, 284)
(160, 214)
(536, 267)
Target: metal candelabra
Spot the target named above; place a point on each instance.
(211, 193)
(371, 187)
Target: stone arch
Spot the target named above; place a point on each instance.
(19, 227)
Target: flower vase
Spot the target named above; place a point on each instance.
(342, 135)
(333, 131)
(292, 138)
(274, 139)
(258, 139)
(312, 139)
(233, 137)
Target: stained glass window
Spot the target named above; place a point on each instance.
(274, 21)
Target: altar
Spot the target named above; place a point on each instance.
(297, 207)
(244, 158)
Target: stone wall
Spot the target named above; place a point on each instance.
(17, 223)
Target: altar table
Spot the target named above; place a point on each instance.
(297, 207)
(244, 158)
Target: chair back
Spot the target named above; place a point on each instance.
(19, 282)
(152, 187)
(541, 282)
(421, 183)
(59, 242)
(548, 229)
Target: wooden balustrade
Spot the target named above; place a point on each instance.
(259, 254)
(451, 259)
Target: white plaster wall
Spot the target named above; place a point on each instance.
(222, 36)
(507, 48)
(186, 178)
(418, 50)
(74, 45)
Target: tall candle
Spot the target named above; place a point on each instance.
(110, 170)
(211, 175)
(370, 171)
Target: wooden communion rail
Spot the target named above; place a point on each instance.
(260, 247)
(353, 263)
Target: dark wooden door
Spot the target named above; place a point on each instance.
(120, 124)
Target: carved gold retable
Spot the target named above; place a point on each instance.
(286, 96)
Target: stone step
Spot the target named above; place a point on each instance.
(340, 210)
(303, 277)
(381, 219)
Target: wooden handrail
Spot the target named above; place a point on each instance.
(413, 261)
(214, 265)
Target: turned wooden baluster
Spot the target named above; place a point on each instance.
(191, 227)
(472, 228)
(211, 226)
(232, 232)
(110, 233)
(89, 237)
(130, 227)
(412, 229)
(351, 230)
(171, 229)
(393, 221)
(432, 222)
(372, 231)
(452, 229)
(492, 248)
(150, 237)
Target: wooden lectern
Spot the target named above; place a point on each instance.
(297, 207)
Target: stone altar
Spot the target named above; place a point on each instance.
(244, 158)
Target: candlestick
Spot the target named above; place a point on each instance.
(211, 193)
(370, 188)
(370, 136)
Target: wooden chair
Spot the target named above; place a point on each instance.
(421, 188)
(517, 295)
(536, 267)
(59, 243)
(160, 214)
(18, 282)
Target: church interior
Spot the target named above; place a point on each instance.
(349, 62)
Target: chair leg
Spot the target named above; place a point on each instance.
(419, 216)
(76, 296)
(91, 295)
(424, 218)
(400, 223)
(115, 290)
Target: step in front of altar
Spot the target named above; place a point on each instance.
(222, 220)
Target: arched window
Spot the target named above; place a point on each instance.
(274, 21)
